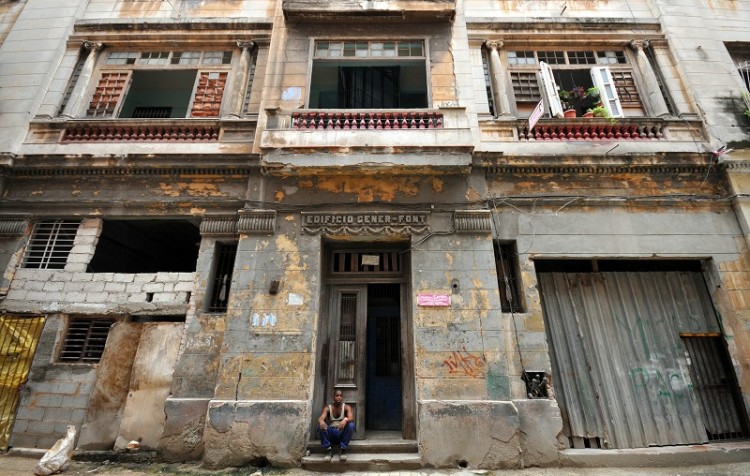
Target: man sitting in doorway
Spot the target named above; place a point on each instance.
(336, 426)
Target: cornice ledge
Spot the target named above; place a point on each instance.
(472, 221)
(257, 222)
(161, 24)
(85, 171)
(593, 168)
(13, 225)
(219, 225)
(547, 23)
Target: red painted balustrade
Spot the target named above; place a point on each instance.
(155, 133)
(593, 132)
(366, 120)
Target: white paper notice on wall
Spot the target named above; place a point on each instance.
(370, 260)
(295, 300)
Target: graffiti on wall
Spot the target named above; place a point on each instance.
(464, 363)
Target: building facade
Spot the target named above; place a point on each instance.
(215, 213)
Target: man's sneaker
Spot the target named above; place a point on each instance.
(342, 455)
(329, 454)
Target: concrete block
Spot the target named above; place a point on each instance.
(114, 287)
(541, 432)
(153, 287)
(182, 436)
(238, 433)
(57, 415)
(478, 434)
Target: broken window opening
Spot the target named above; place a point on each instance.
(146, 246)
(224, 257)
(50, 244)
(85, 339)
(508, 276)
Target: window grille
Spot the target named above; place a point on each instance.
(85, 340)
(50, 244)
(222, 279)
(525, 86)
(369, 49)
(346, 372)
(488, 83)
(353, 262)
(168, 57)
(250, 78)
(74, 78)
(151, 112)
(506, 261)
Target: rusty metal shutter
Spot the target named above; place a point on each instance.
(620, 366)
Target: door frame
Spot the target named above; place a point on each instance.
(322, 385)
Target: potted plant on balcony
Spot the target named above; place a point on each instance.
(600, 111)
(578, 99)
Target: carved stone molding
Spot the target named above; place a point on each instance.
(246, 44)
(257, 222)
(472, 221)
(639, 44)
(13, 226)
(493, 44)
(93, 45)
(216, 226)
(365, 223)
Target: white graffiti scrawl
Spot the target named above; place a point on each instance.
(265, 321)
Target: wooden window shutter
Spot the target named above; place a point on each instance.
(108, 94)
(549, 88)
(208, 94)
(625, 86)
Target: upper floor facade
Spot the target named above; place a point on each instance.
(297, 86)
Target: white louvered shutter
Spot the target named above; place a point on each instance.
(549, 91)
(602, 78)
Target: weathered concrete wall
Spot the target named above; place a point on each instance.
(239, 433)
(113, 374)
(153, 364)
(178, 9)
(448, 434)
(520, 10)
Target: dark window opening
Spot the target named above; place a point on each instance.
(50, 244)
(383, 308)
(337, 85)
(146, 246)
(149, 112)
(158, 318)
(716, 387)
(614, 265)
(85, 340)
(159, 90)
(224, 256)
(509, 283)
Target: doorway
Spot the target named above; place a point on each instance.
(365, 340)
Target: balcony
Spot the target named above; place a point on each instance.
(140, 136)
(367, 11)
(577, 135)
(380, 139)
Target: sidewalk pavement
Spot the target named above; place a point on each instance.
(24, 466)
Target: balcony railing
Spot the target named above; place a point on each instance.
(593, 130)
(140, 133)
(366, 120)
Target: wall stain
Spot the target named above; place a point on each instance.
(369, 188)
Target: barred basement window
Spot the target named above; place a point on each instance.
(221, 283)
(50, 244)
(509, 283)
(85, 340)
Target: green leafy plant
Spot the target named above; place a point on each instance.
(746, 98)
(600, 111)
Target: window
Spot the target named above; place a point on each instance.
(161, 84)
(50, 244)
(85, 339)
(555, 74)
(221, 282)
(741, 56)
(369, 75)
(146, 246)
(509, 283)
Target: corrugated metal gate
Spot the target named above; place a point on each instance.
(620, 362)
(18, 340)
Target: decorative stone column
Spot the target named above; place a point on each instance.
(241, 77)
(75, 105)
(655, 103)
(499, 81)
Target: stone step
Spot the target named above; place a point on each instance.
(390, 445)
(363, 462)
